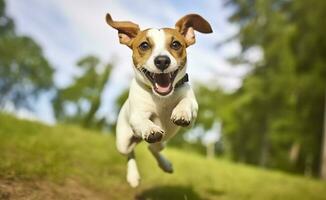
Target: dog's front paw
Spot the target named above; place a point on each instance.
(181, 117)
(181, 122)
(153, 134)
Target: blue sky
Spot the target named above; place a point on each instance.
(70, 29)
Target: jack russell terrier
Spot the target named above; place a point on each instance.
(160, 99)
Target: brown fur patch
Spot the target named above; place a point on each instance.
(180, 55)
(139, 56)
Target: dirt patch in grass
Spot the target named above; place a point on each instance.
(45, 190)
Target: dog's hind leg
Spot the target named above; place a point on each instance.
(125, 145)
(162, 162)
(133, 177)
(126, 142)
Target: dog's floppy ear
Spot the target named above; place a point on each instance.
(127, 31)
(187, 24)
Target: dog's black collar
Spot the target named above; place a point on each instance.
(184, 79)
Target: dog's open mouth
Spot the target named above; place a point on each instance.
(162, 82)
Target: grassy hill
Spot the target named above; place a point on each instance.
(65, 162)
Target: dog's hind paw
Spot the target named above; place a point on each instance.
(133, 182)
(133, 177)
(165, 165)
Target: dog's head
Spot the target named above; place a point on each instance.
(159, 55)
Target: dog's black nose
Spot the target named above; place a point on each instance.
(162, 62)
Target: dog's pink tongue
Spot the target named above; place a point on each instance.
(162, 89)
(162, 83)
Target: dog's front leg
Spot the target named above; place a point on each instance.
(143, 127)
(185, 111)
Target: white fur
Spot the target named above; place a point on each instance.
(133, 177)
(145, 112)
(158, 37)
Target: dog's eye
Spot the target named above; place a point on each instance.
(175, 45)
(144, 46)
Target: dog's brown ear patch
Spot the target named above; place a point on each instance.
(187, 24)
(127, 30)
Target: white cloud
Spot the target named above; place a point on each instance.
(254, 54)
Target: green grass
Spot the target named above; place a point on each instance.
(31, 151)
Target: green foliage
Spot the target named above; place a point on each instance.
(280, 103)
(24, 71)
(84, 95)
(210, 102)
(31, 151)
(121, 99)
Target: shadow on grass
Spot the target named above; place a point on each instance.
(168, 192)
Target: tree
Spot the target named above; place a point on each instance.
(280, 103)
(24, 71)
(79, 102)
(323, 154)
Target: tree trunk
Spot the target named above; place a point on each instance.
(264, 149)
(210, 150)
(323, 147)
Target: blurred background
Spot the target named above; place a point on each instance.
(260, 78)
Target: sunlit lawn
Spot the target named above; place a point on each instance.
(32, 152)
